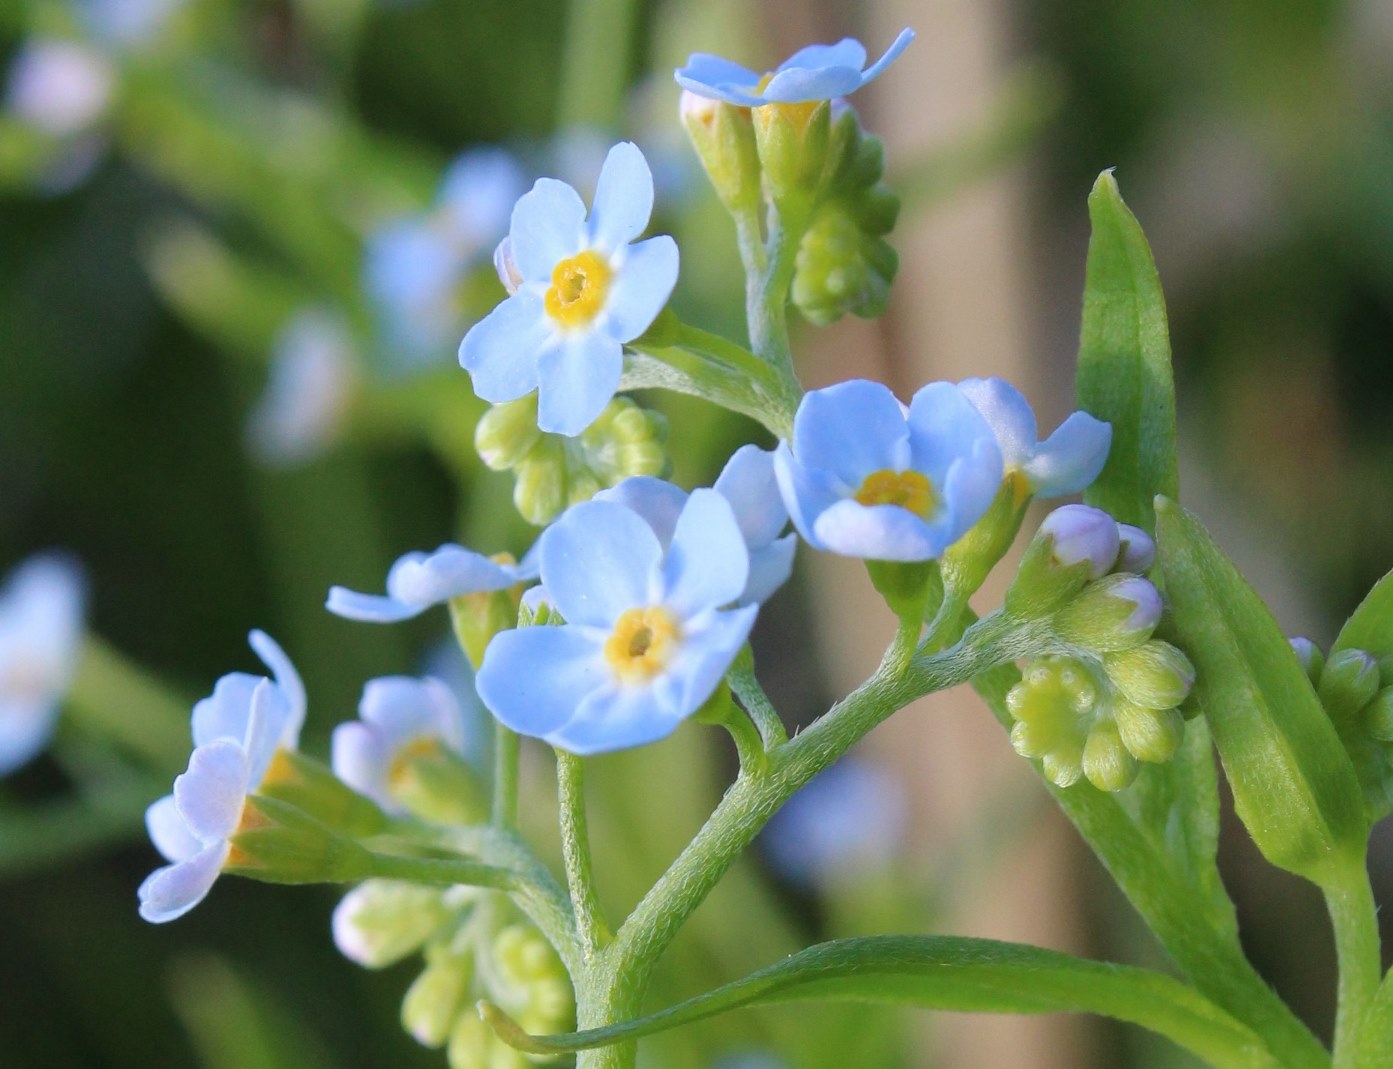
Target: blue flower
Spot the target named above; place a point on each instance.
(60, 88)
(399, 718)
(417, 581)
(864, 477)
(237, 731)
(646, 640)
(307, 392)
(747, 482)
(583, 290)
(40, 632)
(1064, 463)
(818, 72)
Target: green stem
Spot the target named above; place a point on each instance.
(767, 303)
(505, 777)
(1353, 915)
(756, 702)
(575, 849)
(595, 67)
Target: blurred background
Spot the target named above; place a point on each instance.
(239, 251)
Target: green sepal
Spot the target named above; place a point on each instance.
(476, 618)
(967, 562)
(279, 843)
(947, 973)
(905, 585)
(311, 786)
(1124, 372)
(1293, 784)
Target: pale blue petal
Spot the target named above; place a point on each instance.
(173, 890)
(876, 532)
(369, 608)
(598, 560)
(434, 578)
(358, 755)
(645, 279)
(272, 726)
(709, 645)
(501, 351)
(577, 379)
(748, 483)
(851, 430)
(848, 52)
(477, 195)
(623, 198)
(1008, 414)
(943, 426)
(225, 712)
(1070, 458)
(968, 490)
(26, 724)
(534, 678)
(707, 564)
(720, 79)
(616, 718)
(211, 793)
(287, 679)
(548, 226)
(806, 494)
(876, 69)
(404, 707)
(658, 501)
(168, 831)
(770, 567)
(796, 86)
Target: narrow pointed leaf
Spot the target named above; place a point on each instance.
(1293, 784)
(948, 973)
(1371, 627)
(1124, 373)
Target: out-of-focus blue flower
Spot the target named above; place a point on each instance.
(415, 267)
(748, 483)
(399, 717)
(818, 72)
(646, 640)
(60, 88)
(864, 477)
(419, 580)
(236, 732)
(307, 392)
(849, 821)
(584, 289)
(41, 609)
(1064, 463)
(126, 23)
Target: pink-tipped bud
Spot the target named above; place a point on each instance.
(1136, 551)
(1083, 533)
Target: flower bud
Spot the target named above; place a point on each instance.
(1107, 762)
(1074, 544)
(1136, 550)
(1378, 717)
(1311, 658)
(841, 268)
(1150, 734)
(1154, 675)
(1116, 613)
(477, 617)
(1348, 682)
(438, 997)
(724, 139)
(506, 432)
(792, 141)
(380, 922)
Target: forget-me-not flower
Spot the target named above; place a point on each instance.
(40, 631)
(237, 731)
(646, 639)
(1064, 463)
(60, 88)
(866, 477)
(584, 288)
(307, 391)
(418, 581)
(399, 718)
(817, 72)
(748, 483)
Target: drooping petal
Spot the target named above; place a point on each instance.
(848, 52)
(1070, 458)
(898, 45)
(1007, 413)
(641, 287)
(598, 560)
(770, 567)
(876, 532)
(548, 225)
(224, 713)
(173, 890)
(211, 793)
(616, 718)
(748, 483)
(658, 501)
(533, 679)
(708, 563)
(369, 608)
(850, 430)
(577, 379)
(623, 198)
(501, 351)
(168, 831)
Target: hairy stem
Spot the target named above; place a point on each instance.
(575, 848)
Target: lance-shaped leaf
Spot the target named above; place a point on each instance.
(947, 973)
(1124, 373)
(1293, 784)
(1371, 627)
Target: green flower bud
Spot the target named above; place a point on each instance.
(540, 490)
(1074, 544)
(841, 268)
(438, 998)
(1107, 762)
(507, 432)
(1115, 613)
(724, 139)
(436, 783)
(1154, 675)
(477, 617)
(470, 1043)
(278, 843)
(1151, 735)
(312, 787)
(1348, 682)
(792, 142)
(380, 922)
(1378, 717)
(530, 982)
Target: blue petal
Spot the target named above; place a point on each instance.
(478, 193)
(968, 489)
(645, 279)
(616, 718)
(548, 226)
(168, 831)
(598, 560)
(211, 793)
(1070, 458)
(434, 578)
(877, 532)
(271, 726)
(848, 52)
(623, 198)
(225, 712)
(405, 707)
(713, 77)
(795, 86)
(851, 430)
(501, 351)
(173, 890)
(900, 43)
(709, 645)
(287, 679)
(806, 494)
(358, 756)
(369, 608)
(770, 567)
(1008, 414)
(748, 483)
(577, 379)
(943, 426)
(659, 502)
(535, 678)
(707, 564)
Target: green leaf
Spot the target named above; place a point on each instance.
(1293, 785)
(1371, 627)
(1124, 373)
(948, 973)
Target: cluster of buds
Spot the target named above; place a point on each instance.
(553, 471)
(1356, 689)
(466, 957)
(1110, 696)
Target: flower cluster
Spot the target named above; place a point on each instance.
(1356, 689)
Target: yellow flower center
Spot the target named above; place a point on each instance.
(907, 489)
(641, 644)
(579, 286)
(424, 747)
